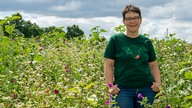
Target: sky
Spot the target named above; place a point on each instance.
(158, 16)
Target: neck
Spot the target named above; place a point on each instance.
(131, 34)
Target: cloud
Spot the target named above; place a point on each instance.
(155, 28)
(107, 23)
(158, 28)
(175, 8)
(70, 6)
(159, 9)
(32, 1)
(183, 30)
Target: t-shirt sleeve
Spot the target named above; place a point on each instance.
(151, 53)
(110, 50)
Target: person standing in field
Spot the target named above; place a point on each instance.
(130, 66)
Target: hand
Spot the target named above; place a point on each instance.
(114, 90)
(156, 87)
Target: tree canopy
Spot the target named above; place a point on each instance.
(74, 31)
(17, 26)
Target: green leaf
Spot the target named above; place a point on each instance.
(38, 57)
(60, 95)
(188, 75)
(2, 22)
(2, 76)
(75, 90)
(1, 31)
(9, 29)
(188, 97)
(90, 85)
(103, 30)
(15, 17)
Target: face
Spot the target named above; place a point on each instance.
(132, 21)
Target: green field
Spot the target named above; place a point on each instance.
(51, 71)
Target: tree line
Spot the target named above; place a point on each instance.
(17, 26)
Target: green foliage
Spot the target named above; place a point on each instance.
(175, 59)
(15, 26)
(52, 29)
(74, 31)
(29, 29)
(9, 29)
(49, 71)
(188, 75)
(8, 25)
(120, 28)
(1, 31)
(52, 71)
(95, 35)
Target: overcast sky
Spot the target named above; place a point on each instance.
(158, 15)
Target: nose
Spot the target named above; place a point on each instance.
(132, 20)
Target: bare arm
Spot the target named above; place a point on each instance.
(156, 75)
(108, 69)
(109, 75)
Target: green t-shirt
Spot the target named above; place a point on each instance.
(132, 57)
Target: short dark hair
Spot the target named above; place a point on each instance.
(131, 8)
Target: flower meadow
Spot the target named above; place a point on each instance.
(50, 71)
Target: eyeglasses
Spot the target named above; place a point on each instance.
(135, 19)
